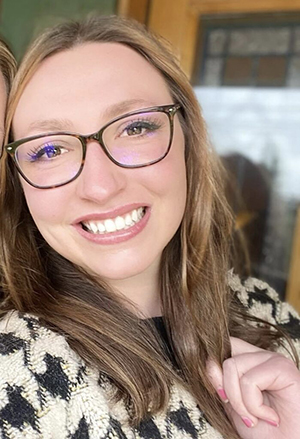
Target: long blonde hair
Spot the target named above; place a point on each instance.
(7, 64)
(196, 302)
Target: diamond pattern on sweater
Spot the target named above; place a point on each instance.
(82, 431)
(32, 324)
(67, 396)
(116, 429)
(292, 327)
(180, 418)
(54, 379)
(10, 343)
(262, 297)
(148, 430)
(18, 411)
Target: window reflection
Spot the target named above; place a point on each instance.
(257, 133)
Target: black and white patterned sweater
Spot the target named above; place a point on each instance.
(47, 392)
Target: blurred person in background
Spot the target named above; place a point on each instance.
(7, 69)
(120, 316)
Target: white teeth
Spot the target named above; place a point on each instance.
(110, 225)
(101, 227)
(88, 226)
(140, 213)
(118, 223)
(134, 216)
(93, 227)
(128, 220)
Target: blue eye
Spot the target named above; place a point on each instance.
(51, 151)
(48, 150)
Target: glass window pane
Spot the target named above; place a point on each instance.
(216, 41)
(238, 71)
(212, 72)
(259, 41)
(259, 130)
(297, 40)
(294, 72)
(272, 71)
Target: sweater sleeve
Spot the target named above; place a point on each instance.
(46, 390)
(263, 302)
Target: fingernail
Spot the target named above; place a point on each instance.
(247, 422)
(274, 423)
(222, 394)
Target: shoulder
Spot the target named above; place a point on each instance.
(263, 302)
(46, 390)
(24, 333)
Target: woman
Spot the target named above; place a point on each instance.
(7, 69)
(105, 231)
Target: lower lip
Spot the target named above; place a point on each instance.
(117, 236)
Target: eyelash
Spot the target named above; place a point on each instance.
(140, 123)
(34, 153)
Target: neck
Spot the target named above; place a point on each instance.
(142, 292)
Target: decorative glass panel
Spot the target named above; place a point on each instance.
(297, 40)
(259, 41)
(294, 72)
(251, 55)
(212, 73)
(238, 71)
(216, 42)
(271, 71)
(256, 131)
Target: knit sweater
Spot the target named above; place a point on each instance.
(48, 392)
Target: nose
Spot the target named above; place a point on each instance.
(100, 179)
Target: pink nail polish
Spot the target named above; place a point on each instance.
(222, 394)
(247, 422)
(274, 423)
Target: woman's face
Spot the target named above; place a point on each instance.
(80, 90)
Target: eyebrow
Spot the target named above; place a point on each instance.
(51, 125)
(126, 106)
(111, 112)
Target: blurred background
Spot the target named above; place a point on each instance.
(243, 60)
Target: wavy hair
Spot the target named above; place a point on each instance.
(7, 64)
(197, 307)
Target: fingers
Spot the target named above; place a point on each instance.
(250, 380)
(245, 390)
(239, 347)
(231, 380)
(217, 378)
(215, 375)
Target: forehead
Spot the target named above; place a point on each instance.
(87, 79)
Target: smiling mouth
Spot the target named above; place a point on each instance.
(111, 225)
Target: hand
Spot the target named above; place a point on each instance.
(261, 392)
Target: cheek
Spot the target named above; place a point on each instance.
(173, 176)
(168, 179)
(44, 206)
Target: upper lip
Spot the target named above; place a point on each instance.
(119, 211)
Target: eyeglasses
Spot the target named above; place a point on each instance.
(134, 140)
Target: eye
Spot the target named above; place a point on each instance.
(45, 152)
(139, 128)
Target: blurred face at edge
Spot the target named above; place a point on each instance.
(3, 99)
(82, 90)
